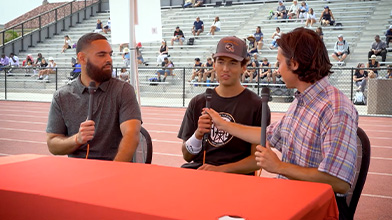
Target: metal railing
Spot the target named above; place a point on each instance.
(47, 24)
(176, 90)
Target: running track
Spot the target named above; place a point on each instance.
(22, 131)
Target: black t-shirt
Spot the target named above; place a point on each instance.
(222, 148)
(358, 75)
(179, 33)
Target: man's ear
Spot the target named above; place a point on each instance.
(294, 65)
(82, 58)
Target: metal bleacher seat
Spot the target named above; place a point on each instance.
(143, 152)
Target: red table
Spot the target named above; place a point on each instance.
(34, 187)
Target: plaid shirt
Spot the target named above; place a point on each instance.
(319, 130)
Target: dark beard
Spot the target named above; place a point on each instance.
(98, 74)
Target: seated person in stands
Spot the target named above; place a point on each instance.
(360, 77)
(276, 73)
(215, 27)
(209, 71)
(163, 52)
(326, 17)
(42, 65)
(39, 59)
(389, 72)
(14, 62)
(124, 75)
(388, 35)
(293, 10)
(108, 26)
(303, 9)
(67, 43)
(51, 69)
(28, 63)
(259, 38)
(198, 26)
(276, 35)
(178, 36)
(198, 3)
(252, 46)
(379, 48)
(98, 27)
(187, 3)
(265, 70)
(139, 56)
(373, 64)
(281, 11)
(252, 70)
(340, 50)
(319, 32)
(4, 61)
(167, 69)
(76, 69)
(126, 57)
(311, 18)
(197, 71)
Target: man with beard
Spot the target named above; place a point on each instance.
(113, 132)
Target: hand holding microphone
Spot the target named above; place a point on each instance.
(87, 128)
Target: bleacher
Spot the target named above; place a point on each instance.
(361, 21)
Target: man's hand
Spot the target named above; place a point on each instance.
(203, 126)
(86, 132)
(267, 159)
(212, 168)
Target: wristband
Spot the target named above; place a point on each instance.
(193, 145)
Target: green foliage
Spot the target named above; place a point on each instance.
(10, 35)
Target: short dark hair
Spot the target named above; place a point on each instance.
(86, 40)
(306, 48)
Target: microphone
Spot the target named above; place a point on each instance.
(208, 96)
(91, 90)
(265, 93)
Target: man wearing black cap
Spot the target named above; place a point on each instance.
(223, 152)
(178, 36)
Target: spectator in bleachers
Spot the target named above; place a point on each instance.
(252, 46)
(281, 11)
(311, 18)
(39, 60)
(187, 3)
(379, 48)
(373, 64)
(340, 50)
(360, 77)
(276, 35)
(251, 71)
(388, 35)
(28, 63)
(303, 9)
(124, 75)
(276, 73)
(215, 27)
(163, 52)
(389, 72)
(126, 57)
(198, 3)
(76, 69)
(167, 69)
(326, 17)
(198, 26)
(14, 62)
(209, 71)
(265, 71)
(139, 55)
(4, 61)
(197, 71)
(51, 69)
(293, 10)
(67, 43)
(178, 36)
(319, 32)
(98, 27)
(108, 26)
(259, 37)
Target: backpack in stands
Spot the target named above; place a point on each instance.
(191, 41)
(359, 98)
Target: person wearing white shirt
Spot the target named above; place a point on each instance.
(310, 18)
(293, 9)
(67, 43)
(14, 61)
(108, 26)
(215, 27)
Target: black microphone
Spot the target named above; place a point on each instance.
(265, 93)
(208, 95)
(91, 90)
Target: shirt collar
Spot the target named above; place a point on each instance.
(312, 91)
(81, 88)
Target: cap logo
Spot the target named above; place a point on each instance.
(229, 47)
